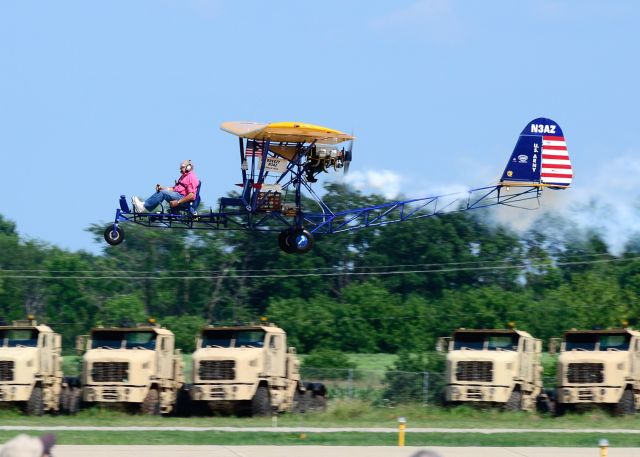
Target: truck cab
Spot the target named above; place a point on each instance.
(136, 365)
(246, 368)
(494, 366)
(30, 366)
(599, 367)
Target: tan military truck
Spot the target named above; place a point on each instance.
(30, 366)
(599, 367)
(500, 367)
(250, 370)
(137, 366)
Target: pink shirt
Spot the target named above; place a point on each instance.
(187, 184)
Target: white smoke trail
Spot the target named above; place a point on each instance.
(607, 202)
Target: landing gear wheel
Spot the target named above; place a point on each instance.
(303, 241)
(284, 240)
(295, 241)
(114, 237)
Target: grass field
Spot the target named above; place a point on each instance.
(340, 439)
(342, 414)
(345, 414)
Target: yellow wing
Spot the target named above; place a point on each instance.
(293, 132)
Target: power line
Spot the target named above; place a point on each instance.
(333, 268)
(327, 274)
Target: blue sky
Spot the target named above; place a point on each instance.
(99, 99)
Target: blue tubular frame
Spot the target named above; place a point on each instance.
(419, 208)
(250, 213)
(327, 222)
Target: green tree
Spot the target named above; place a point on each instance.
(186, 329)
(326, 364)
(124, 309)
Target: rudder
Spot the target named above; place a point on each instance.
(540, 157)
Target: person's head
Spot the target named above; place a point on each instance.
(186, 166)
(28, 446)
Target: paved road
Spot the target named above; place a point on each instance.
(333, 451)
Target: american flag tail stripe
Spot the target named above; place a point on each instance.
(540, 157)
(556, 167)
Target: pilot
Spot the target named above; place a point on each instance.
(178, 195)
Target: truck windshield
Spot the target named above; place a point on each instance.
(468, 341)
(580, 342)
(488, 341)
(615, 342)
(597, 342)
(114, 339)
(502, 342)
(233, 338)
(19, 337)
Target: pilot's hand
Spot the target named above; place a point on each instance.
(173, 203)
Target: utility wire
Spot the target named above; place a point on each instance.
(328, 274)
(315, 269)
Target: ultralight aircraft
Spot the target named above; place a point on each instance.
(280, 161)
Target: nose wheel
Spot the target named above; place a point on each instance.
(114, 235)
(294, 241)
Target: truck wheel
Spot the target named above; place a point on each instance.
(300, 402)
(183, 404)
(151, 404)
(73, 404)
(626, 404)
(515, 401)
(318, 403)
(261, 403)
(64, 399)
(544, 404)
(35, 405)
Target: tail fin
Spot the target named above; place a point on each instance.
(540, 157)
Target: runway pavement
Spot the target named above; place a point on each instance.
(333, 451)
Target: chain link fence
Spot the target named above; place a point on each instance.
(386, 387)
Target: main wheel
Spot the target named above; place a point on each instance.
(626, 404)
(285, 241)
(151, 404)
(114, 237)
(35, 404)
(295, 241)
(261, 403)
(303, 241)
